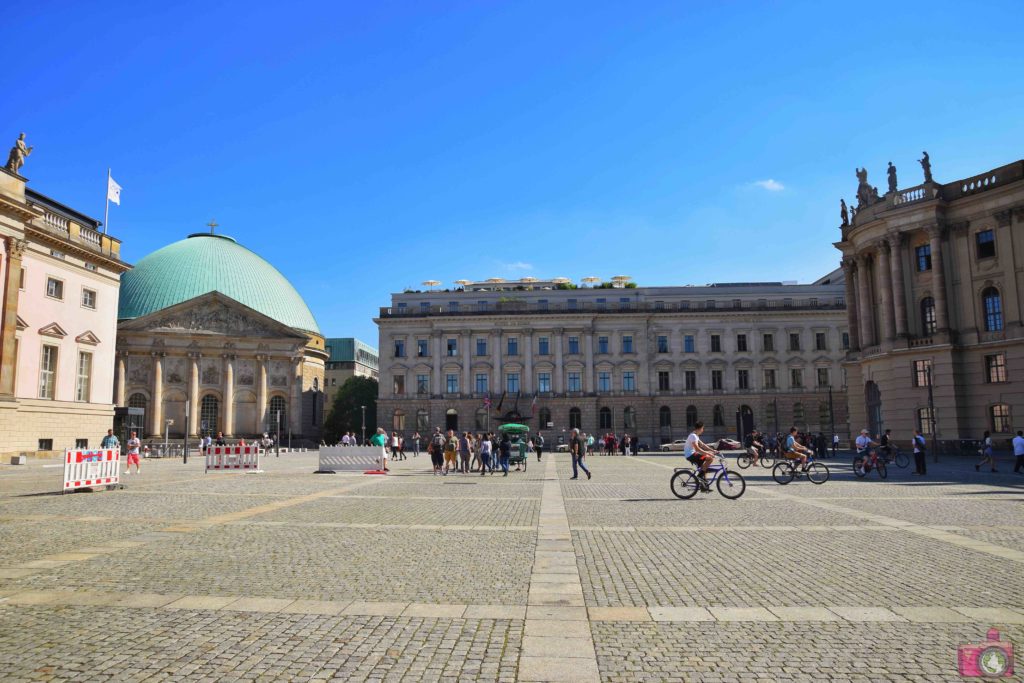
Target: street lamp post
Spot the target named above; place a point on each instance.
(931, 416)
(831, 417)
(187, 423)
(277, 441)
(363, 408)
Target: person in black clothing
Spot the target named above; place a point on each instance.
(538, 444)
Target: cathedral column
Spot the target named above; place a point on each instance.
(157, 404)
(559, 370)
(898, 291)
(850, 271)
(229, 394)
(864, 304)
(261, 395)
(938, 278)
(883, 279)
(119, 388)
(193, 394)
(295, 407)
(9, 320)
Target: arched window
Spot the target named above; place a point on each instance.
(209, 412)
(824, 416)
(575, 418)
(316, 384)
(718, 416)
(276, 409)
(629, 418)
(398, 421)
(137, 401)
(798, 414)
(928, 325)
(481, 419)
(604, 418)
(422, 421)
(691, 416)
(665, 416)
(1000, 414)
(993, 307)
(545, 418)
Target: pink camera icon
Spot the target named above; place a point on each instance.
(992, 658)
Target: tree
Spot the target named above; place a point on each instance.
(346, 415)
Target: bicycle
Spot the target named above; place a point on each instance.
(685, 483)
(786, 471)
(864, 462)
(746, 460)
(895, 455)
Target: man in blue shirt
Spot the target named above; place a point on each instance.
(110, 441)
(794, 450)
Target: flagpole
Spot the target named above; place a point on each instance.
(106, 210)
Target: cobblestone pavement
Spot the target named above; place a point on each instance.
(288, 575)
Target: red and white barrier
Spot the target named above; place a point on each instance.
(233, 458)
(86, 469)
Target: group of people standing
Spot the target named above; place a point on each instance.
(627, 445)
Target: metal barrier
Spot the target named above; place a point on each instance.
(351, 458)
(88, 469)
(233, 458)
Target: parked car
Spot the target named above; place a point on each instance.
(677, 445)
(562, 448)
(728, 445)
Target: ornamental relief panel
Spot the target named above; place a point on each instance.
(278, 373)
(174, 370)
(214, 318)
(140, 369)
(210, 373)
(245, 373)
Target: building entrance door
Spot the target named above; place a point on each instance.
(451, 420)
(873, 403)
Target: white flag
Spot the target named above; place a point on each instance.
(113, 191)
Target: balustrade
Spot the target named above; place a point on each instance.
(52, 220)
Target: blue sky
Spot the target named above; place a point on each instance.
(363, 147)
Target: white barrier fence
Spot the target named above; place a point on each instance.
(233, 458)
(351, 458)
(87, 469)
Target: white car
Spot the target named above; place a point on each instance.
(562, 448)
(677, 445)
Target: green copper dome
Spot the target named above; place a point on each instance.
(205, 263)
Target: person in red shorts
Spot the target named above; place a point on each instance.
(133, 446)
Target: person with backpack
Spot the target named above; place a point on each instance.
(538, 444)
(436, 448)
(505, 449)
(451, 452)
(919, 452)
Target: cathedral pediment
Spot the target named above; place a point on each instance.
(211, 314)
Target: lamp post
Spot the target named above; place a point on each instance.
(931, 416)
(363, 408)
(832, 418)
(277, 441)
(187, 423)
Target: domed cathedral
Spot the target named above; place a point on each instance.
(209, 328)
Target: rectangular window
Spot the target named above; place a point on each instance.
(690, 379)
(624, 303)
(424, 306)
(823, 379)
(54, 288)
(513, 346)
(481, 383)
(82, 443)
(716, 343)
(629, 381)
(662, 344)
(83, 381)
(453, 347)
(812, 302)
(663, 380)
(710, 304)
(924, 420)
(684, 305)
(452, 384)
(542, 304)
(1001, 422)
(923, 256)
(21, 279)
(46, 444)
(922, 373)
(794, 341)
(47, 371)
(995, 368)
(986, 242)
(453, 306)
(481, 347)
(604, 381)
(422, 384)
(796, 378)
(716, 380)
(627, 344)
(768, 342)
(659, 305)
(743, 379)
(399, 348)
(574, 382)
(846, 341)
(688, 344)
(769, 379)
(512, 382)
(543, 346)
(602, 344)
(819, 341)
(399, 385)
(602, 304)
(741, 342)
(574, 344)
(544, 382)
(483, 306)
(737, 303)
(572, 304)
(88, 298)
(422, 348)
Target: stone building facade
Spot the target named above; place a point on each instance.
(59, 275)
(648, 361)
(935, 278)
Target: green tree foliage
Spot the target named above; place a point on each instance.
(345, 414)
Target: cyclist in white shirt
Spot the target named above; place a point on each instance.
(698, 452)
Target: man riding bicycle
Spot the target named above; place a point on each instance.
(698, 452)
(866, 447)
(754, 446)
(795, 450)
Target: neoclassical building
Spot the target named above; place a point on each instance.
(934, 281)
(646, 360)
(208, 327)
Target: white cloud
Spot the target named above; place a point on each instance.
(518, 265)
(770, 184)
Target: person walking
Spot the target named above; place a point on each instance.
(464, 453)
(133, 446)
(110, 441)
(451, 452)
(987, 455)
(920, 468)
(416, 438)
(835, 444)
(505, 448)
(485, 455)
(538, 444)
(1018, 450)
(578, 448)
(380, 440)
(436, 448)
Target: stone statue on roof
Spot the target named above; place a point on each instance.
(16, 159)
(866, 194)
(843, 213)
(926, 166)
(892, 177)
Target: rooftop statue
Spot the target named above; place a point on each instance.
(16, 159)
(843, 212)
(892, 177)
(926, 165)
(866, 195)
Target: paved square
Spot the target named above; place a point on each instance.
(288, 575)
